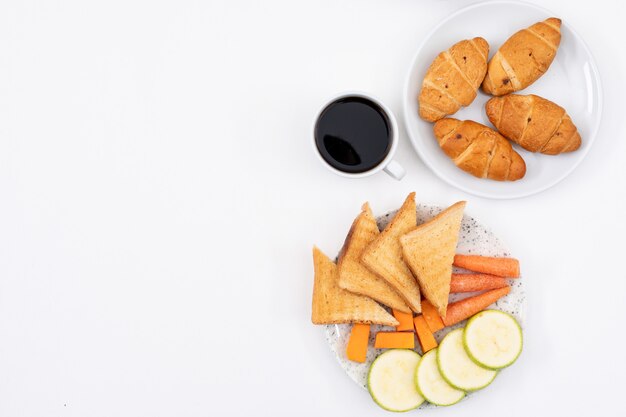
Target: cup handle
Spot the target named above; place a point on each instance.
(395, 170)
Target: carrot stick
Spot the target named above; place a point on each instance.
(357, 344)
(405, 319)
(467, 307)
(476, 282)
(431, 316)
(394, 340)
(424, 334)
(502, 267)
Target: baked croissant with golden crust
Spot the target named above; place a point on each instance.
(523, 58)
(534, 123)
(479, 150)
(452, 80)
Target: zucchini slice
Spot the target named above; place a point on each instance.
(493, 339)
(457, 368)
(391, 380)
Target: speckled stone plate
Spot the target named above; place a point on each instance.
(474, 239)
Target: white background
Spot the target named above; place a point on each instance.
(159, 200)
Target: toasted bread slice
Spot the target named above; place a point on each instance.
(429, 251)
(384, 255)
(355, 277)
(333, 305)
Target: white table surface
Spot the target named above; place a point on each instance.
(159, 202)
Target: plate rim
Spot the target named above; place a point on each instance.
(431, 165)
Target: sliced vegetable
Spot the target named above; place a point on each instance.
(394, 340)
(493, 339)
(457, 368)
(357, 344)
(405, 319)
(502, 267)
(476, 282)
(431, 384)
(466, 308)
(424, 334)
(431, 316)
(391, 380)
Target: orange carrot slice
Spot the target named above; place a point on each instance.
(476, 282)
(502, 267)
(394, 340)
(357, 344)
(431, 316)
(467, 307)
(405, 319)
(424, 334)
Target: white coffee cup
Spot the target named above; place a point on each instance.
(388, 165)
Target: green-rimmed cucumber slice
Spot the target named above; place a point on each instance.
(431, 384)
(391, 380)
(493, 339)
(457, 368)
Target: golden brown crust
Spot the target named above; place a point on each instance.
(355, 277)
(523, 58)
(453, 78)
(384, 255)
(332, 305)
(479, 150)
(536, 124)
(429, 252)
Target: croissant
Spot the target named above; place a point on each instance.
(479, 150)
(453, 78)
(534, 123)
(523, 58)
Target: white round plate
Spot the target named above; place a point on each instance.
(474, 238)
(572, 81)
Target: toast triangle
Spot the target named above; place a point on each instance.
(354, 276)
(429, 251)
(384, 255)
(332, 305)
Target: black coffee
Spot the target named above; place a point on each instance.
(353, 134)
